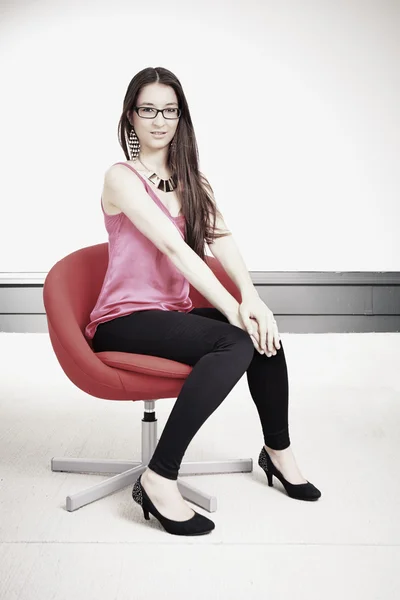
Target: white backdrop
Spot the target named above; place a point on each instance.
(295, 107)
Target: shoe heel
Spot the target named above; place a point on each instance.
(263, 461)
(146, 514)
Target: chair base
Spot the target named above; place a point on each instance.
(129, 471)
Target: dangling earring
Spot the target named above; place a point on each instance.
(134, 145)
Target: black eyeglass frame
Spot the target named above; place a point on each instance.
(161, 110)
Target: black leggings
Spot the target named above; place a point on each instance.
(219, 353)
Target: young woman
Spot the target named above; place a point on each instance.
(159, 212)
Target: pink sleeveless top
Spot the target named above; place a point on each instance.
(139, 276)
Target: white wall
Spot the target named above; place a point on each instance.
(310, 183)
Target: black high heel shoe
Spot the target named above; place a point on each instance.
(300, 491)
(196, 525)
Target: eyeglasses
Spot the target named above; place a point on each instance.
(147, 112)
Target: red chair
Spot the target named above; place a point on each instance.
(70, 291)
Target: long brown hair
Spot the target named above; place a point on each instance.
(194, 191)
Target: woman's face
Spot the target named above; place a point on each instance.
(155, 95)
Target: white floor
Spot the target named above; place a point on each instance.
(345, 432)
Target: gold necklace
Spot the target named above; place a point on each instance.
(165, 185)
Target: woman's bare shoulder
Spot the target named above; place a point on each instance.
(114, 173)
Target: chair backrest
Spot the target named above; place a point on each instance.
(72, 287)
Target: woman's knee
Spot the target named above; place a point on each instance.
(243, 342)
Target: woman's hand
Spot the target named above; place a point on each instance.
(234, 318)
(260, 324)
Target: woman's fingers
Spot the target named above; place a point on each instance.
(256, 344)
(271, 344)
(268, 342)
(276, 339)
(254, 334)
(270, 335)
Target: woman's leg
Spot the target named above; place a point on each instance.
(267, 378)
(219, 352)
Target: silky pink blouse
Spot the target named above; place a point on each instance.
(139, 276)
